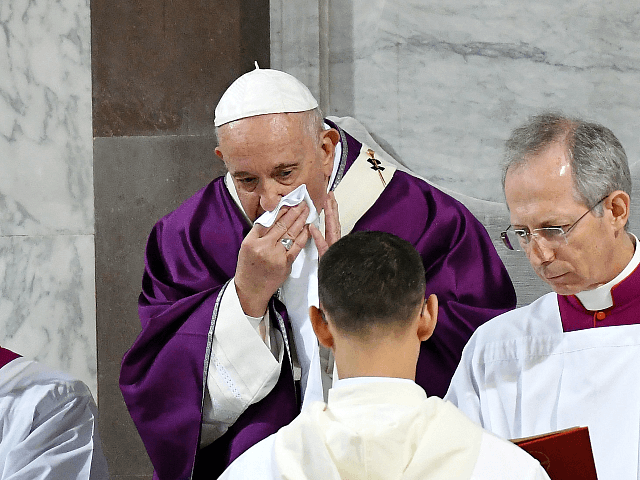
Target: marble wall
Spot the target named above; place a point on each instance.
(441, 84)
(47, 301)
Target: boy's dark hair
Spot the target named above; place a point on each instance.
(370, 278)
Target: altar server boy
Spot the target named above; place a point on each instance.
(378, 423)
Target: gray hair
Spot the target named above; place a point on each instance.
(313, 122)
(598, 161)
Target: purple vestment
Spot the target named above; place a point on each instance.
(192, 253)
(624, 311)
(6, 356)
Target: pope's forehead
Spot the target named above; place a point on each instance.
(268, 124)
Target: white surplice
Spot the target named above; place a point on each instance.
(521, 375)
(49, 425)
(383, 428)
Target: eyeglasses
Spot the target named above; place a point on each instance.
(520, 238)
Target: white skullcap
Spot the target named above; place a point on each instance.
(263, 91)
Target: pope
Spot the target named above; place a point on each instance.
(227, 354)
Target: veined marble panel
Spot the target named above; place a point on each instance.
(460, 76)
(47, 301)
(295, 40)
(443, 83)
(45, 118)
(47, 260)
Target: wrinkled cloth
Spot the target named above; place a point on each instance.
(49, 425)
(291, 199)
(522, 374)
(383, 429)
(191, 257)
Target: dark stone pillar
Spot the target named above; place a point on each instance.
(158, 70)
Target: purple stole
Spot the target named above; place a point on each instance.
(625, 309)
(6, 356)
(192, 253)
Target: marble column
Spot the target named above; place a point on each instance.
(47, 302)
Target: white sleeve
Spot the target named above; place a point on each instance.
(59, 439)
(255, 323)
(242, 369)
(502, 460)
(464, 391)
(267, 336)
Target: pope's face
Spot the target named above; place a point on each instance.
(269, 156)
(540, 194)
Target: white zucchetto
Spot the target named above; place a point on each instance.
(260, 92)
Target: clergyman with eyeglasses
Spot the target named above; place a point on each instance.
(572, 357)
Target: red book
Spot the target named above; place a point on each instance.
(565, 454)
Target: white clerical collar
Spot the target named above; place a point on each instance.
(600, 298)
(336, 159)
(346, 382)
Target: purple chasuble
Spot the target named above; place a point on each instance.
(6, 356)
(258, 421)
(192, 253)
(624, 311)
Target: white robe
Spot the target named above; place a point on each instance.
(381, 428)
(521, 375)
(49, 426)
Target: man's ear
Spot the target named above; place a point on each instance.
(219, 153)
(618, 202)
(320, 327)
(328, 141)
(428, 318)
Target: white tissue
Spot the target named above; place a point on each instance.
(290, 200)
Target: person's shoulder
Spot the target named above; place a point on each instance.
(424, 201)
(449, 410)
(407, 178)
(308, 416)
(534, 319)
(305, 430)
(419, 198)
(40, 385)
(263, 462)
(533, 328)
(430, 199)
(403, 177)
(500, 459)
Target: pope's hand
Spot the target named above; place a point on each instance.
(331, 226)
(264, 263)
